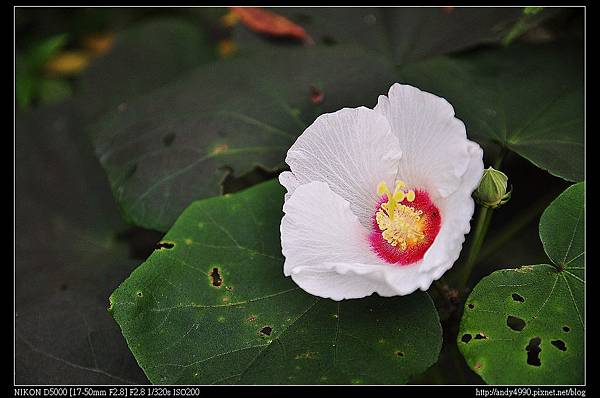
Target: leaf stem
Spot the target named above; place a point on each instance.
(501, 155)
(523, 24)
(522, 221)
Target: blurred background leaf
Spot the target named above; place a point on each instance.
(403, 34)
(68, 257)
(29, 66)
(143, 58)
(54, 90)
(161, 151)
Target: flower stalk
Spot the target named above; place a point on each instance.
(484, 217)
(491, 193)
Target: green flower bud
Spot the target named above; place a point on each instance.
(492, 188)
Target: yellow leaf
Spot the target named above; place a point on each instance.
(230, 19)
(68, 63)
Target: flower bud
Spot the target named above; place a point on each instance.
(492, 188)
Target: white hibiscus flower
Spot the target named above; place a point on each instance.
(345, 234)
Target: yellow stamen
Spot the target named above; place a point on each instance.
(400, 225)
(397, 197)
(382, 188)
(406, 228)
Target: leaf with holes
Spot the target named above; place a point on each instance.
(177, 144)
(404, 34)
(526, 325)
(212, 306)
(527, 98)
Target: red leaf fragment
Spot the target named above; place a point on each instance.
(267, 22)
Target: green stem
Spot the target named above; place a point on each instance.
(525, 22)
(517, 30)
(484, 218)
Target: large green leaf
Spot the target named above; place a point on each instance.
(212, 306)
(68, 257)
(562, 230)
(526, 325)
(177, 144)
(404, 34)
(528, 98)
(143, 58)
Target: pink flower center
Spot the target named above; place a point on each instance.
(405, 224)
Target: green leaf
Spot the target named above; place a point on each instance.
(403, 34)
(562, 229)
(68, 257)
(526, 325)
(41, 53)
(28, 67)
(212, 306)
(528, 98)
(143, 58)
(54, 90)
(177, 144)
(25, 89)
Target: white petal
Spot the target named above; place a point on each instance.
(319, 226)
(472, 177)
(332, 279)
(352, 150)
(289, 182)
(434, 142)
(330, 283)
